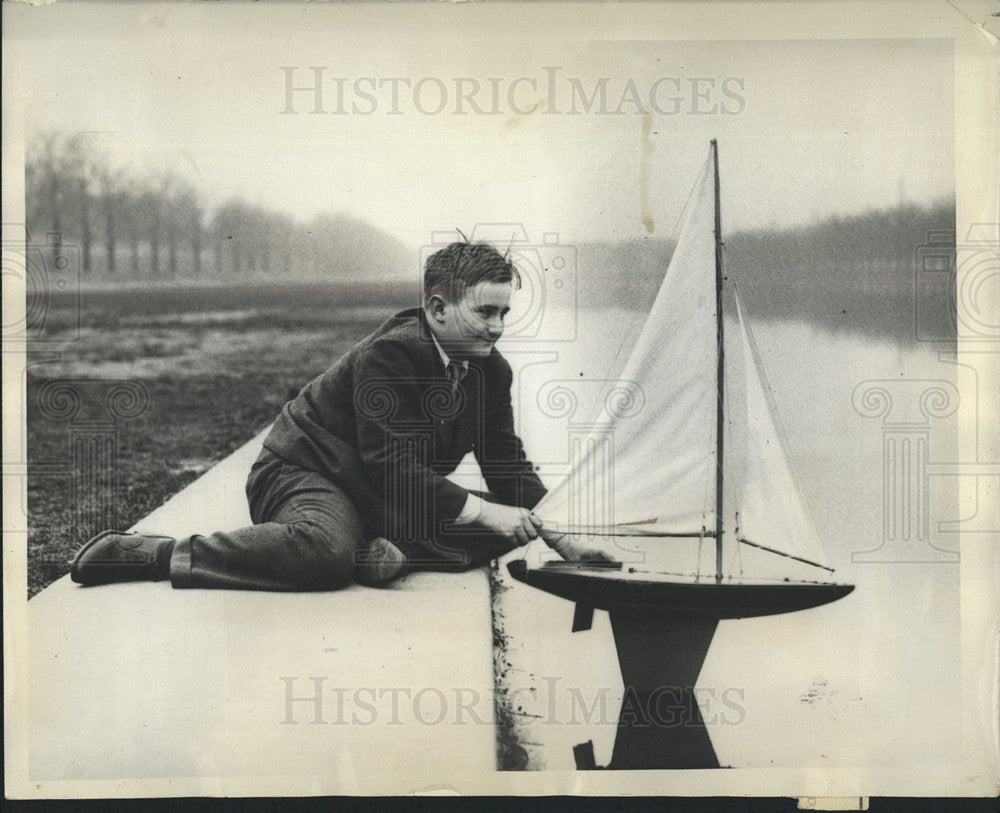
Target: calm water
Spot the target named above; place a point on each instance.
(872, 679)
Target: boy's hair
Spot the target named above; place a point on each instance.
(460, 266)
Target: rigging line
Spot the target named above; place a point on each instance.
(739, 432)
(733, 565)
(701, 545)
(737, 564)
(786, 555)
(709, 475)
(739, 550)
(662, 534)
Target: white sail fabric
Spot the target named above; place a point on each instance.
(771, 510)
(734, 441)
(652, 460)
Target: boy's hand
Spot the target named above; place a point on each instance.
(516, 525)
(574, 550)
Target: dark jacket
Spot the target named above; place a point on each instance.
(382, 424)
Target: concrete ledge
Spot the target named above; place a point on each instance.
(362, 690)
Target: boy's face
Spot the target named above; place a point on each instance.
(469, 328)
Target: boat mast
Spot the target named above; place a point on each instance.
(719, 420)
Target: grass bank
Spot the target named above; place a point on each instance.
(210, 370)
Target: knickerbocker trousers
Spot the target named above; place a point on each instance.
(305, 536)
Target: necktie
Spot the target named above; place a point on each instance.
(456, 372)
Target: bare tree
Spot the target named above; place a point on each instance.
(283, 237)
(112, 194)
(182, 218)
(134, 195)
(232, 233)
(218, 243)
(46, 178)
(195, 214)
(81, 170)
(149, 217)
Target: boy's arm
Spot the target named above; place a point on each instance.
(505, 467)
(393, 420)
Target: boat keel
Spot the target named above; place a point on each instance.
(660, 725)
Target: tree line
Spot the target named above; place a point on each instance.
(887, 272)
(878, 247)
(158, 226)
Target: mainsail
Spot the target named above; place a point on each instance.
(650, 465)
(661, 463)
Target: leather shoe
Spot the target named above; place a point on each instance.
(117, 556)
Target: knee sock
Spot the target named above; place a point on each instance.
(378, 562)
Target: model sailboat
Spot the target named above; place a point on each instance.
(699, 465)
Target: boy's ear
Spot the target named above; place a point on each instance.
(436, 306)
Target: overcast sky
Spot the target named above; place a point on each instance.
(806, 128)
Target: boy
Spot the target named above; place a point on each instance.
(351, 482)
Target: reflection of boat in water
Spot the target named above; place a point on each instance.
(687, 452)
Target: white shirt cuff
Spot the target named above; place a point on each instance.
(470, 511)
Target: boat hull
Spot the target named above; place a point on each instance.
(609, 589)
(663, 630)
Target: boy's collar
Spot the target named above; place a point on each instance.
(444, 356)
